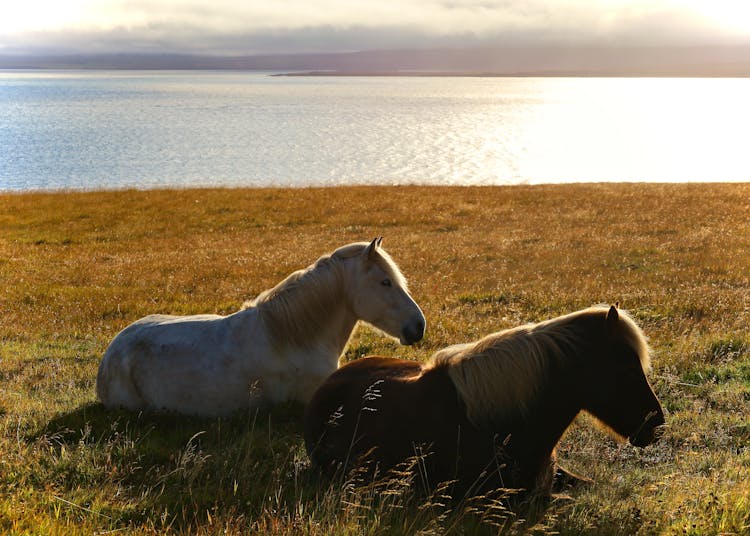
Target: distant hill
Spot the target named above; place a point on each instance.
(512, 61)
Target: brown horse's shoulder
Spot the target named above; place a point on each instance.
(436, 379)
(435, 386)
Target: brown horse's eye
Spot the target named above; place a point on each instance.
(386, 282)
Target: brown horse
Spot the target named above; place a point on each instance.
(488, 414)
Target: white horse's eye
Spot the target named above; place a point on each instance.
(386, 282)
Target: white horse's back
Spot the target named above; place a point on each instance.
(183, 364)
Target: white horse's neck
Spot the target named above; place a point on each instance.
(309, 310)
(333, 338)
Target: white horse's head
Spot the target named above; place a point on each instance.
(378, 293)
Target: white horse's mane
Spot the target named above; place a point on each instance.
(296, 308)
(504, 371)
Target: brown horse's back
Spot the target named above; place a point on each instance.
(345, 402)
(390, 410)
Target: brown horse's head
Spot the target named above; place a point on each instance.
(618, 393)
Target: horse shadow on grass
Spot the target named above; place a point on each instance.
(94, 422)
(210, 456)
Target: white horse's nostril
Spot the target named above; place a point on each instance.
(414, 331)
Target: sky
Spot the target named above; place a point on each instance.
(250, 27)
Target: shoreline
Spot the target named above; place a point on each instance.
(219, 188)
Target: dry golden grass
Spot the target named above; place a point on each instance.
(77, 267)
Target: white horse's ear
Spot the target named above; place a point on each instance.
(374, 245)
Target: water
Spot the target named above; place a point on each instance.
(93, 130)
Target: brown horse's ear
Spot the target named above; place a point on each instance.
(612, 317)
(374, 245)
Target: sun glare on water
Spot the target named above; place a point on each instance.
(621, 129)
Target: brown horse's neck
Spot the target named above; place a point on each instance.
(533, 437)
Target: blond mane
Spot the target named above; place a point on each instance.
(296, 309)
(504, 371)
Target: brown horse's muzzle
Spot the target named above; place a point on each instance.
(650, 431)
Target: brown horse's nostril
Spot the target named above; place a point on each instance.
(650, 431)
(643, 438)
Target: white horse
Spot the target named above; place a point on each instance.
(278, 347)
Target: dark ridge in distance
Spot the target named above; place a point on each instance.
(541, 74)
(695, 61)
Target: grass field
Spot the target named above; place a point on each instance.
(75, 268)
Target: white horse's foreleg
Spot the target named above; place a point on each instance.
(114, 385)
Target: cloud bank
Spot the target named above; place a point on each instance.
(224, 27)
